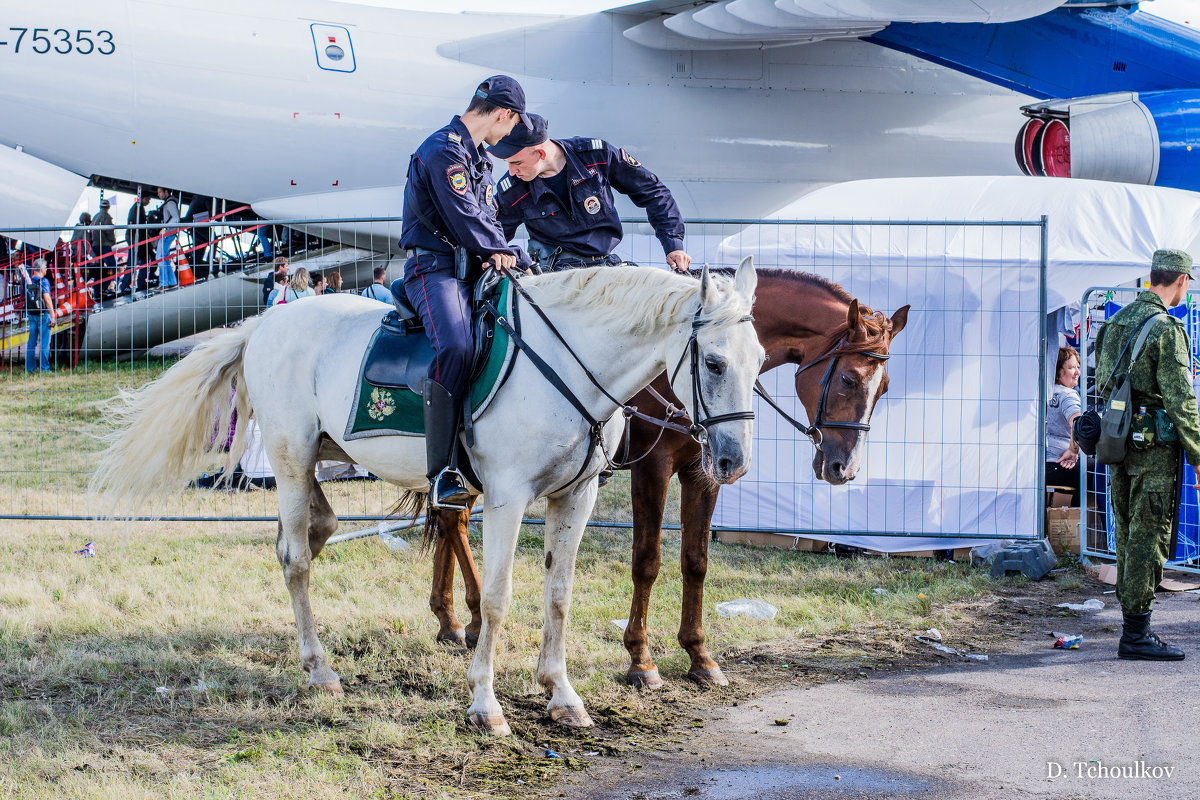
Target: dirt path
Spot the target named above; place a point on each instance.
(957, 730)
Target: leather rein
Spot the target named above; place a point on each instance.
(813, 432)
(698, 431)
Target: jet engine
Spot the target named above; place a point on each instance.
(1128, 137)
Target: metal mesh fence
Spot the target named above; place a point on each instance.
(954, 448)
(1097, 521)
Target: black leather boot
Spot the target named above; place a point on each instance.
(447, 487)
(605, 474)
(1138, 641)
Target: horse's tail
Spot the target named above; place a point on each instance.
(168, 431)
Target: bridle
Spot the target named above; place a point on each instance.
(698, 431)
(833, 356)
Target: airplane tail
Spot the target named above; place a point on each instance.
(168, 431)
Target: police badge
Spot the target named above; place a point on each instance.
(457, 175)
(592, 205)
(488, 193)
(630, 160)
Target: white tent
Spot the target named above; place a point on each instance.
(953, 448)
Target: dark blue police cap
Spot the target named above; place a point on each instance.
(521, 136)
(505, 92)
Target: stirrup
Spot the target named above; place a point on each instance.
(604, 475)
(448, 491)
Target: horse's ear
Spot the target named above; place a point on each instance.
(899, 320)
(705, 286)
(746, 279)
(854, 317)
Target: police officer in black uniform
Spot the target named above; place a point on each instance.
(449, 204)
(562, 190)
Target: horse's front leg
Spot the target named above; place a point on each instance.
(501, 524)
(566, 518)
(295, 557)
(649, 479)
(698, 498)
(441, 594)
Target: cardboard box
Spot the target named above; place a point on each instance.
(782, 541)
(1062, 529)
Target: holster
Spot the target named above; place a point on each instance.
(467, 267)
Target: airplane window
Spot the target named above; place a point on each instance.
(334, 52)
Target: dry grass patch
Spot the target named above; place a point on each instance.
(167, 667)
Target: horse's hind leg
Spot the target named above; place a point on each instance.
(441, 595)
(322, 522)
(566, 517)
(295, 484)
(471, 582)
(698, 499)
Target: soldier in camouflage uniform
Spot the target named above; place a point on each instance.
(1144, 488)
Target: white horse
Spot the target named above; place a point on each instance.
(295, 370)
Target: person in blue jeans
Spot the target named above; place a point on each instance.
(170, 216)
(40, 308)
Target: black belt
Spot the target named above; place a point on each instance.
(422, 251)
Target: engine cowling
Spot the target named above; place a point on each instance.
(1129, 137)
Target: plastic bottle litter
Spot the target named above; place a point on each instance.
(1069, 642)
(933, 638)
(203, 686)
(1087, 605)
(393, 541)
(88, 551)
(755, 609)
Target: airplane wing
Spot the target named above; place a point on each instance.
(753, 24)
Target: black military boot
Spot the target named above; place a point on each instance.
(1138, 641)
(447, 487)
(605, 474)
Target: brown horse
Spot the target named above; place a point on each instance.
(840, 349)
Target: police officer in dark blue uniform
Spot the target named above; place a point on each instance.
(449, 206)
(562, 190)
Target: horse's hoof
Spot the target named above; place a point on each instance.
(644, 679)
(709, 677)
(458, 637)
(492, 724)
(571, 717)
(333, 687)
(472, 639)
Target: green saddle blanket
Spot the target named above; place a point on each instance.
(386, 410)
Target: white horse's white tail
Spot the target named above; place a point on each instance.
(167, 432)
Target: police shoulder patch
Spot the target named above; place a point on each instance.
(456, 175)
(630, 160)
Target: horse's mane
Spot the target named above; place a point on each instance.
(876, 325)
(638, 299)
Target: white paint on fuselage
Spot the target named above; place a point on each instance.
(227, 100)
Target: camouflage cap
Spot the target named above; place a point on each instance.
(1172, 261)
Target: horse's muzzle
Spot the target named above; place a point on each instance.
(725, 459)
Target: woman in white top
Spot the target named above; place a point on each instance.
(297, 287)
(1062, 451)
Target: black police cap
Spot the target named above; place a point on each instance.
(504, 92)
(522, 136)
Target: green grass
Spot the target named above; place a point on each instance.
(85, 645)
(167, 666)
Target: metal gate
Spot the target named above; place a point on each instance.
(955, 448)
(1098, 537)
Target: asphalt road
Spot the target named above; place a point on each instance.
(1030, 722)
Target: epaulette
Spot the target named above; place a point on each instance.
(505, 183)
(454, 137)
(590, 144)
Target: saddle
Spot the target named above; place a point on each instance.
(400, 353)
